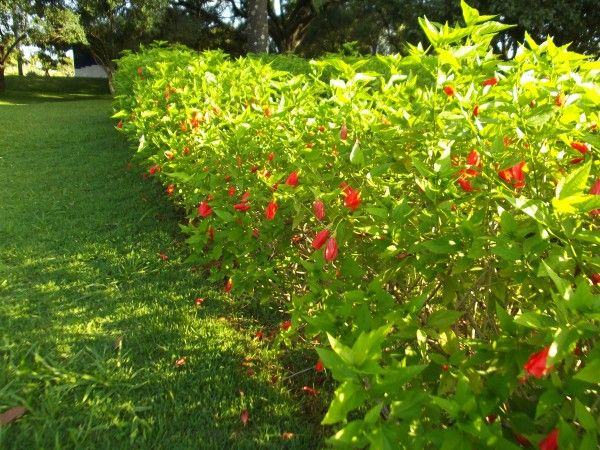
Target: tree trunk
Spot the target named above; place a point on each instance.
(258, 26)
(20, 63)
(2, 80)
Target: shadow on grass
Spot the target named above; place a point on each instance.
(93, 321)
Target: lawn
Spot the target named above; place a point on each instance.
(94, 321)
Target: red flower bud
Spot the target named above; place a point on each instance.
(170, 189)
(120, 124)
(465, 185)
(242, 207)
(228, 285)
(292, 179)
(352, 197)
(231, 191)
(490, 82)
(331, 250)
(320, 239)
(449, 90)
(286, 325)
(476, 110)
(474, 159)
(536, 364)
(271, 210)
(550, 442)
(580, 147)
(319, 209)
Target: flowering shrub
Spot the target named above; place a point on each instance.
(435, 224)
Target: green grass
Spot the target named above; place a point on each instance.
(27, 90)
(92, 320)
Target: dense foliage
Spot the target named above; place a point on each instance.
(431, 223)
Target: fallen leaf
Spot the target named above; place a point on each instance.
(181, 361)
(244, 416)
(310, 390)
(199, 301)
(250, 372)
(163, 256)
(286, 435)
(12, 414)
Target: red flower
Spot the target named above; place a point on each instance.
(320, 239)
(559, 100)
(465, 185)
(292, 179)
(474, 159)
(120, 124)
(245, 197)
(514, 175)
(476, 110)
(254, 169)
(271, 210)
(186, 151)
(152, 170)
(490, 82)
(228, 285)
(259, 335)
(595, 190)
(550, 442)
(270, 156)
(321, 129)
(266, 173)
(170, 189)
(319, 366)
(577, 160)
(210, 197)
(536, 364)
(310, 145)
(449, 90)
(231, 191)
(286, 325)
(242, 207)
(580, 147)
(352, 197)
(344, 132)
(204, 210)
(331, 250)
(169, 154)
(310, 391)
(255, 233)
(319, 209)
(595, 277)
(199, 301)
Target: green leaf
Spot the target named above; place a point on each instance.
(368, 345)
(348, 396)
(574, 183)
(564, 288)
(345, 353)
(533, 320)
(584, 416)
(338, 367)
(590, 373)
(441, 320)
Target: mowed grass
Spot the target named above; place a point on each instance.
(26, 90)
(93, 321)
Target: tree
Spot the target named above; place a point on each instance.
(257, 27)
(112, 26)
(35, 22)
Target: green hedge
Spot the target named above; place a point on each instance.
(430, 221)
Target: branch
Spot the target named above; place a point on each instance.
(10, 49)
